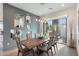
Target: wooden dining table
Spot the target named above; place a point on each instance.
(32, 43)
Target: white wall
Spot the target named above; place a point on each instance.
(1, 36)
(1, 11)
(77, 29)
(1, 17)
(71, 17)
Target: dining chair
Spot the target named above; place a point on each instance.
(24, 51)
(54, 43)
(46, 47)
(51, 36)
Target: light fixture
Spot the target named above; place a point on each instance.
(62, 5)
(39, 20)
(36, 19)
(28, 32)
(45, 21)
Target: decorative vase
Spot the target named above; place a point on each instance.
(71, 41)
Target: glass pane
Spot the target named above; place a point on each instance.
(62, 20)
(49, 22)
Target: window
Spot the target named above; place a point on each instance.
(62, 21)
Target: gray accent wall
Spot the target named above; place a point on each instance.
(9, 13)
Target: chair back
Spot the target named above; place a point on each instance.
(51, 34)
(50, 43)
(18, 44)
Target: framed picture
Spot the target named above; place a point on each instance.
(19, 20)
(28, 19)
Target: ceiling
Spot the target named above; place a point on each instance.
(41, 9)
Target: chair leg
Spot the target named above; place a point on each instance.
(33, 52)
(54, 49)
(47, 53)
(18, 53)
(51, 51)
(37, 51)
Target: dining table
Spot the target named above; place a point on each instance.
(31, 43)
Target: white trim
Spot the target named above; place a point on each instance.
(58, 17)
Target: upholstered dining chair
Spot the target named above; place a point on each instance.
(24, 51)
(54, 43)
(46, 47)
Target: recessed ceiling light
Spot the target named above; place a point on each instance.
(62, 5)
(50, 8)
(42, 3)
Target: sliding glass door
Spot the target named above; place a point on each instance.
(62, 29)
(58, 26)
